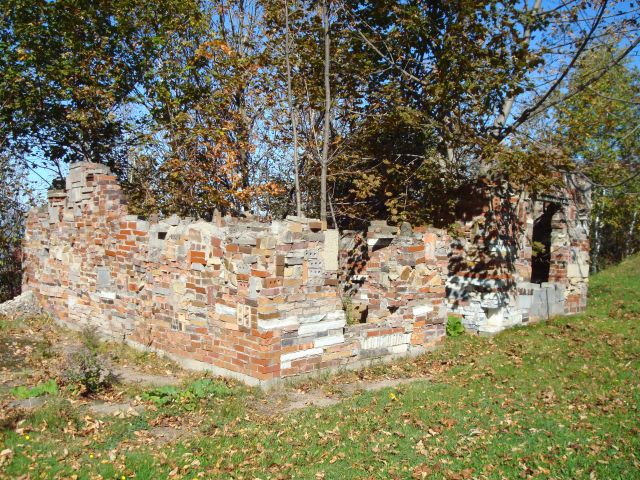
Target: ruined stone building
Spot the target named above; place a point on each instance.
(518, 258)
(263, 302)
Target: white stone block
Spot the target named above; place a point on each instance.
(278, 324)
(385, 341)
(311, 318)
(225, 309)
(323, 326)
(277, 226)
(287, 357)
(495, 316)
(337, 315)
(331, 246)
(327, 341)
(422, 310)
(577, 271)
(399, 349)
(107, 295)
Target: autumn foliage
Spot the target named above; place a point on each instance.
(397, 108)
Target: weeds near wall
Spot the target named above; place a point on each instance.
(88, 370)
(454, 326)
(349, 311)
(189, 397)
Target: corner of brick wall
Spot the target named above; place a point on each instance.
(259, 301)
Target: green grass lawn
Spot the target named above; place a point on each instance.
(554, 400)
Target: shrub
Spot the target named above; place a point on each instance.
(347, 306)
(454, 326)
(90, 338)
(89, 371)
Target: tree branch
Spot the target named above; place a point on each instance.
(540, 103)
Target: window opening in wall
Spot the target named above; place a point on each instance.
(356, 312)
(90, 178)
(541, 242)
(162, 235)
(176, 325)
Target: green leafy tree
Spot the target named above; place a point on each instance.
(460, 84)
(599, 132)
(15, 198)
(71, 69)
(434, 78)
(424, 95)
(189, 101)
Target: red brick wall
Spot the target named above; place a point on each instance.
(259, 301)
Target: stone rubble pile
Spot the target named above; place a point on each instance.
(25, 304)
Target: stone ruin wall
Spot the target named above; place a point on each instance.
(384, 270)
(256, 301)
(490, 284)
(266, 301)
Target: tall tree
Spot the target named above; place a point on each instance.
(325, 15)
(436, 70)
(348, 67)
(15, 198)
(470, 75)
(207, 99)
(603, 123)
(292, 111)
(70, 68)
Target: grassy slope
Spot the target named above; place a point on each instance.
(554, 400)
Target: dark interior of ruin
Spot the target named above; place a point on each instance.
(542, 228)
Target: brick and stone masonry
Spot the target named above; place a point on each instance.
(519, 257)
(256, 301)
(265, 301)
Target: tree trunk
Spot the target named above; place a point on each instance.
(333, 213)
(597, 240)
(327, 110)
(629, 247)
(292, 112)
(507, 105)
